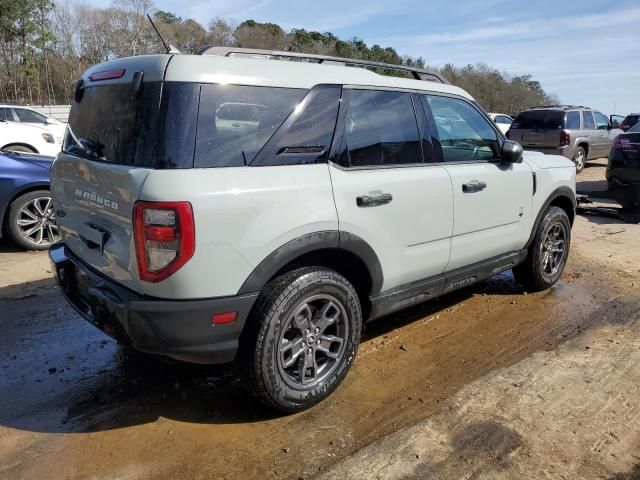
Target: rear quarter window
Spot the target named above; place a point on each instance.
(235, 122)
(572, 121)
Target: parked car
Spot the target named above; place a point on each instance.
(503, 121)
(26, 211)
(27, 139)
(30, 116)
(629, 121)
(623, 170)
(578, 133)
(272, 247)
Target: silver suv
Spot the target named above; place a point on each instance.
(578, 133)
(221, 207)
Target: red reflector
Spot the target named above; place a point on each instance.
(159, 234)
(107, 75)
(222, 318)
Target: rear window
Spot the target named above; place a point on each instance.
(110, 124)
(235, 122)
(539, 120)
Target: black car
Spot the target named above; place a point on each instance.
(623, 171)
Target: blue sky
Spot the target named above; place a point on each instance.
(586, 51)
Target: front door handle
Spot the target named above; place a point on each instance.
(364, 201)
(473, 186)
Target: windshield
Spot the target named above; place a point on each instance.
(634, 129)
(539, 120)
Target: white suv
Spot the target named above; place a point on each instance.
(222, 207)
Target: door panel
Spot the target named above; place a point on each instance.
(411, 233)
(493, 220)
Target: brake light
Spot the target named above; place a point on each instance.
(565, 138)
(107, 75)
(164, 237)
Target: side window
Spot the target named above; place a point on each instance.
(587, 120)
(306, 135)
(28, 116)
(464, 133)
(235, 122)
(602, 122)
(503, 120)
(5, 114)
(572, 121)
(381, 129)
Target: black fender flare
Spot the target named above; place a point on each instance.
(323, 240)
(563, 191)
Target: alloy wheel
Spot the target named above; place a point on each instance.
(312, 342)
(36, 222)
(554, 248)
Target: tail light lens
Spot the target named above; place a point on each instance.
(565, 138)
(164, 238)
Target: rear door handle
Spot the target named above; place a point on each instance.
(364, 201)
(473, 186)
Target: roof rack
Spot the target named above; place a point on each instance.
(418, 73)
(564, 107)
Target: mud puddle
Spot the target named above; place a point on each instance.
(77, 406)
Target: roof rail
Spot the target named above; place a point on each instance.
(564, 107)
(418, 73)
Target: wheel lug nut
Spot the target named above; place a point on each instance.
(318, 342)
(310, 350)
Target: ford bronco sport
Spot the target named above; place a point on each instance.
(237, 206)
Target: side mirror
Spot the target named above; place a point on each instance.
(511, 152)
(49, 121)
(614, 124)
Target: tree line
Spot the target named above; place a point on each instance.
(45, 45)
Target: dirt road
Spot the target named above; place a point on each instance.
(490, 365)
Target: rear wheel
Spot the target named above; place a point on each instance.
(580, 159)
(31, 222)
(301, 338)
(548, 253)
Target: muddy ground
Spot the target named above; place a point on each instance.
(483, 383)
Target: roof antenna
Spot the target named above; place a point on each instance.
(168, 47)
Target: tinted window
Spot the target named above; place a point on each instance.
(27, 116)
(110, 125)
(572, 121)
(5, 114)
(630, 121)
(539, 120)
(602, 122)
(464, 133)
(381, 129)
(634, 129)
(587, 120)
(306, 135)
(504, 120)
(235, 122)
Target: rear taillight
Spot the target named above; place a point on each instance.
(565, 138)
(164, 237)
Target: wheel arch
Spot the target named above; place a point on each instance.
(20, 144)
(563, 197)
(343, 252)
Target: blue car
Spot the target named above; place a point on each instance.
(26, 211)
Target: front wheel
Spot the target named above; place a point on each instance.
(548, 253)
(31, 221)
(301, 339)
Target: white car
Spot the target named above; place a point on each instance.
(19, 137)
(30, 116)
(344, 196)
(502, 121)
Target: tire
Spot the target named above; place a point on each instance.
(580, 159)
(19, 149)
(542, 269)
(32, 210)
(288, 315)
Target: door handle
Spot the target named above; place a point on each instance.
(364, 201)
(473, 186)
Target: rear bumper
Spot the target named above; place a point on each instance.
(180, 329)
